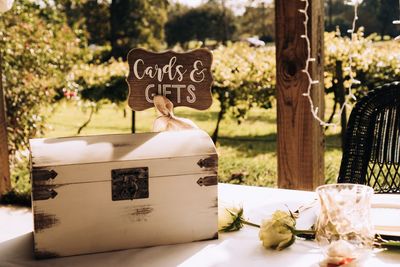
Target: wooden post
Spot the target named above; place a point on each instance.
(5, 183)
(300, 137)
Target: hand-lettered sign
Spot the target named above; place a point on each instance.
(184, 78)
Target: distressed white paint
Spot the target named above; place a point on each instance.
(119, 147)
(89, 221)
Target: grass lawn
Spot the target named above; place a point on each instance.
(247, 151)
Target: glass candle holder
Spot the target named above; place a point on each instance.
(344, 227)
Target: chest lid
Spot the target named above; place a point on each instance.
(76, 160)
(50, 152)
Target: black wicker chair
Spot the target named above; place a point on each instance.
(371, 153)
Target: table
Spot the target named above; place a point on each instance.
(232, 249)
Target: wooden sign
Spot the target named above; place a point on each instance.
(184, 78)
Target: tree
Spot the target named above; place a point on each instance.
(386, 14)
(124, 24)
(97, 21)
(90, 18)
(374, 16)
(137, 23)
(208, 21)
(337, 14)
(259, 21)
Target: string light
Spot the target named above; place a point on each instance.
(311, 82)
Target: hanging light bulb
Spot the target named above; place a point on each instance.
(353, 2)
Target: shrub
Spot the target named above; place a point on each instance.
(244, 77)
(38, 51)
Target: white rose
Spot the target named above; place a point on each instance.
(276, 232)
(5, 5)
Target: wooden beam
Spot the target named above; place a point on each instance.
(300, 137)
(5, 183)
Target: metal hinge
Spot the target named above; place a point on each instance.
(39, 175)
(44, 192)
(210, 162)
(207, 181)
(42, 188)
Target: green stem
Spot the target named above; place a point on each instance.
(307, 234)
(250, 223)
(296, 232)
(388, 244)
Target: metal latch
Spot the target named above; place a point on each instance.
(131, 183)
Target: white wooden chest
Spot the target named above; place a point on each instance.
(110, 192)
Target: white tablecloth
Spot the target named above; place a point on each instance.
(232, 249)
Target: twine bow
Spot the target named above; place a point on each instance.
(166, 120)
